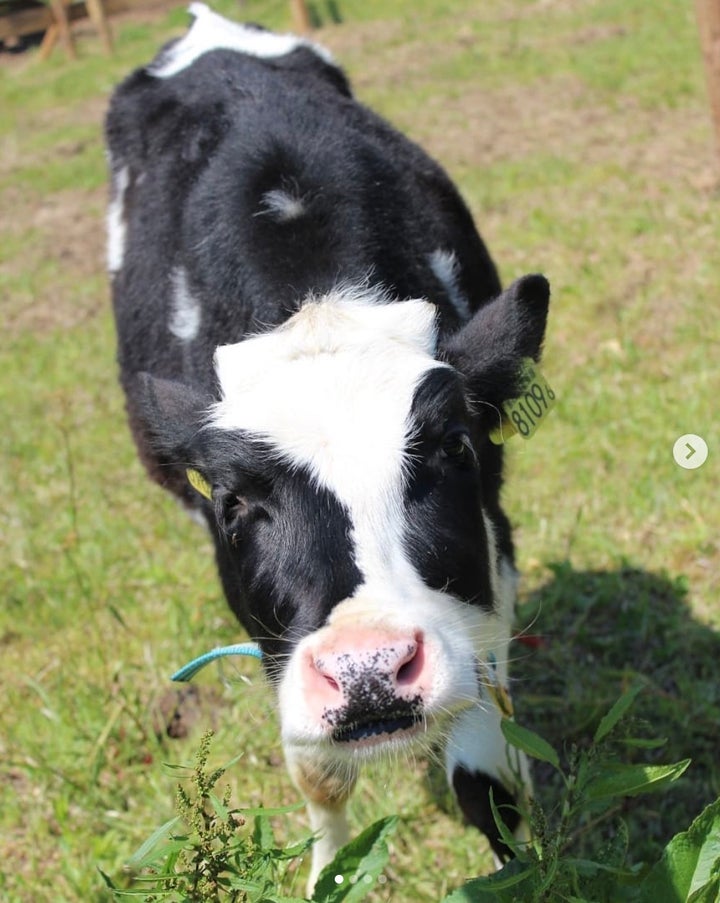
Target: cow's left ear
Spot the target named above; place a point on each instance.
(172, 415)
(489, 350)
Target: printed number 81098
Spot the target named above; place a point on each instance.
(527, 411)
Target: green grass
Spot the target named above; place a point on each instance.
(580, 135)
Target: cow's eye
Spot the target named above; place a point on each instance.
(232, 512)
(235, 506)
(456, 446)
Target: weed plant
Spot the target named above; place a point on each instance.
(208, 854)
(214, 858)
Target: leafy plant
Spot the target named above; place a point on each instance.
(208, 854)
(545, 869)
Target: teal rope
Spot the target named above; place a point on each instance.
(197, 664)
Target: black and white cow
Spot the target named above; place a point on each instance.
(307, 317)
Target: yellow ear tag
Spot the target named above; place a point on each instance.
(198, 482)
(500, 696)
(496, 691)
(525, 413)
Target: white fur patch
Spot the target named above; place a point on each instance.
(333, 832)
(282, 206)
(185, 316)
(116, 225)
(210, 31)
(507, 589)
(331, 389)
(477, 743)
(445, 266)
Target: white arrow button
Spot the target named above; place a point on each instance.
(690, 451)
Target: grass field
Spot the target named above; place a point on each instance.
(579, 132)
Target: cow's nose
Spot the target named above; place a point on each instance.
(342, 669)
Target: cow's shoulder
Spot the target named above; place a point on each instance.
(199, 82)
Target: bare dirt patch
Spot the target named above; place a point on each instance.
(61, 241)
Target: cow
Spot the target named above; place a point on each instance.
(315, 347)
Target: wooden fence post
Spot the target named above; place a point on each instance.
(61, 30)
(708, 17)
(301, 16)
(96, 11)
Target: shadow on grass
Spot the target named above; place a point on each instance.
(599, 632)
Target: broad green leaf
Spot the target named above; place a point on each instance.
(151, 849)
(644, 742)
(253, 811)
(529, 742)
(284, 854)
(588, 868)
(616, 712)
(247, 885)
(708, 893)
(629, 780)
(358, 864)
(493, 888)
(263, 833)
(294, 850)
(690, 863)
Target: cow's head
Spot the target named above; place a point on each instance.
(344, 454)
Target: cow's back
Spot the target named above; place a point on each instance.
(242, 184)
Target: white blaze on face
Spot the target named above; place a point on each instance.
(332, 390)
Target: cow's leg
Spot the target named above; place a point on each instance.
(326, 787)
(479, 761)
(477, 757)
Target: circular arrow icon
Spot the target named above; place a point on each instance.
(690, 451)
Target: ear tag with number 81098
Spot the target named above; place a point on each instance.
(524, 414)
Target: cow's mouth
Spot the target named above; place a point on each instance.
(365, 730)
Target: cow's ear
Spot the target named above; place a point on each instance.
(489, 350)
(172, 415)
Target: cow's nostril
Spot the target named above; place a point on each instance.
(322, 669)
(410, 670)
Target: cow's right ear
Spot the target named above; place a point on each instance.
(172, 414)
(490, 349)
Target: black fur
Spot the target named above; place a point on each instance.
(444, 490)
(472, 789)
(283, 545)
(203, 147)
